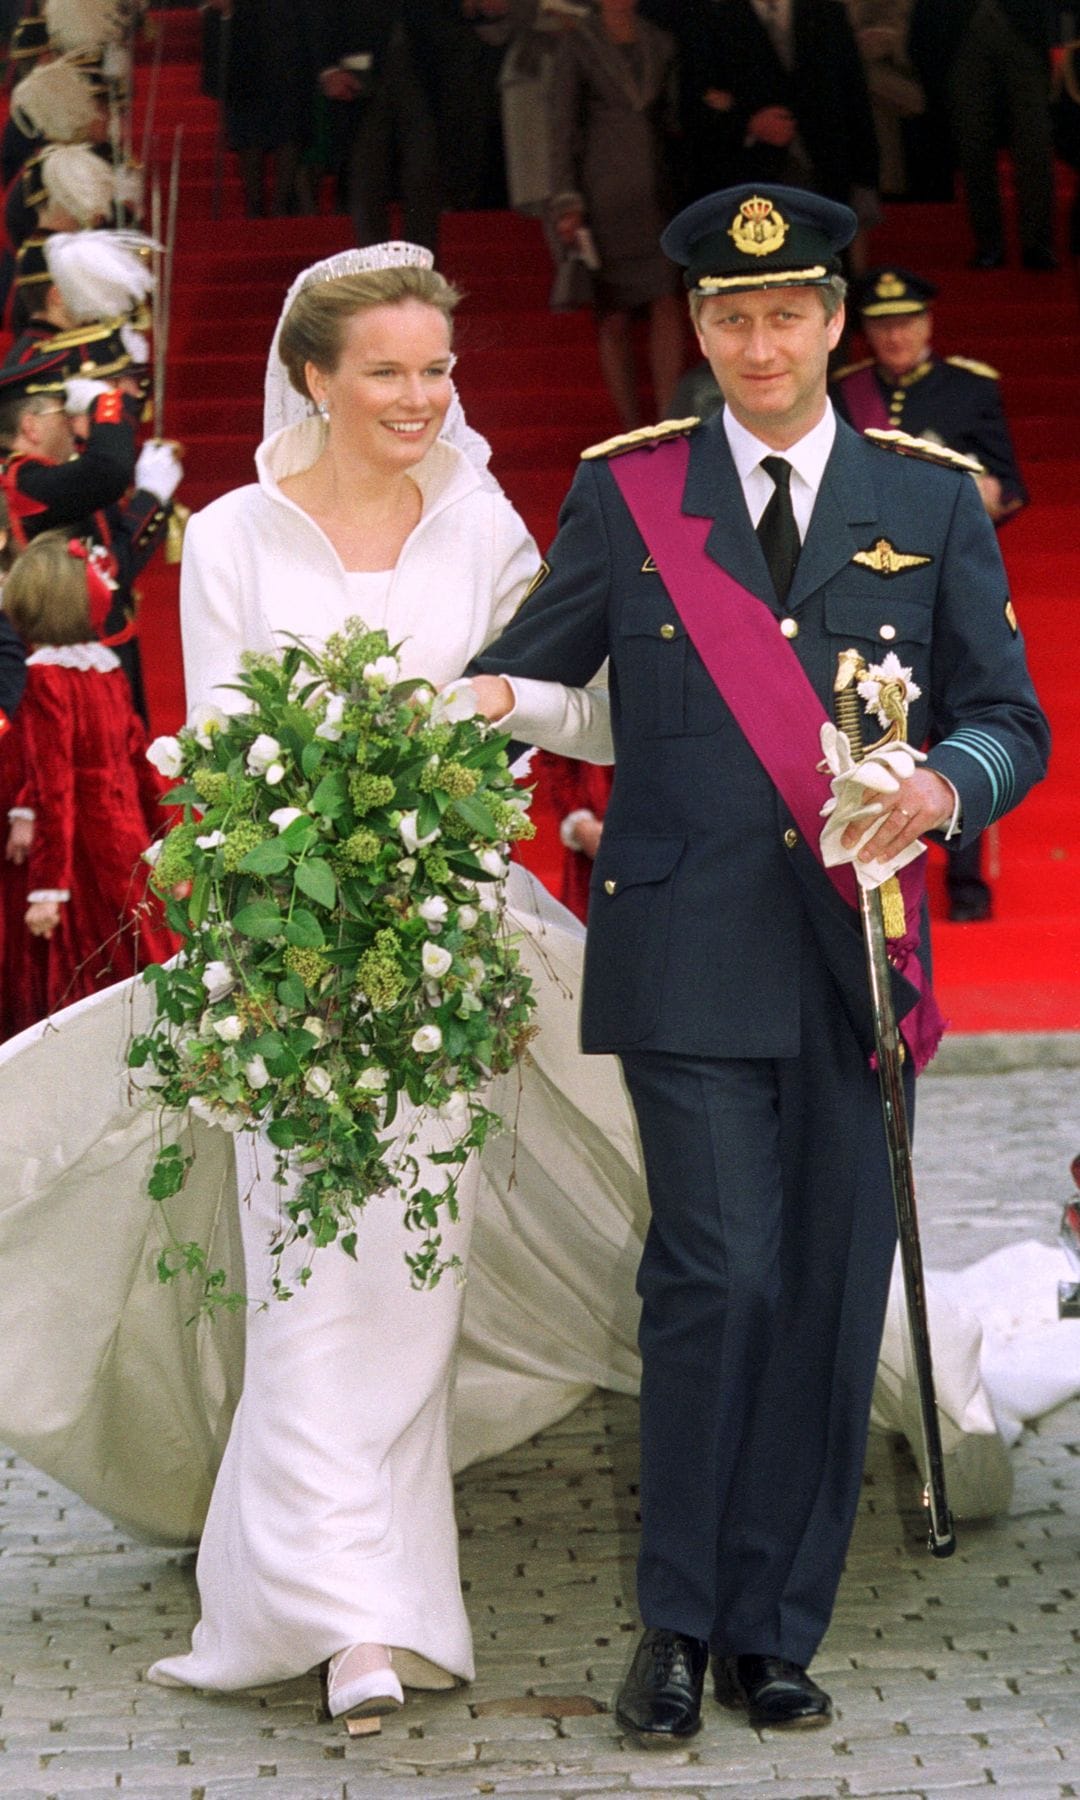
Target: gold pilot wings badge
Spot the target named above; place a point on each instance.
(885, 559)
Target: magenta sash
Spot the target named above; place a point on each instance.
(863, 399)
(766, 687)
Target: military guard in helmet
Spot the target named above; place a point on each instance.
(722, 569)
(951, 400)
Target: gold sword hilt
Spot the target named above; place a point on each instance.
(850, 670)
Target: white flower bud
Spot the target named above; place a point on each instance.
(371, 1081)
(218, 980)
(410, 833)
(205, 722)
(229, 1029)
(456, 702)
(467, 917)
(256, 1072)
(331, 728)
(318, 1083)
(383, 671)
(316, 1027)
(274, 774)
(283, 816)
(153, 851)
(427, 1040)
(492, 863)
(264, 751)
(211, 840)
(167, 756)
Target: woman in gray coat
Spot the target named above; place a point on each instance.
(612, 121)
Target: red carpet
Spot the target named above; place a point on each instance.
(530, 382)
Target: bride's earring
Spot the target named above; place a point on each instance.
(323, 410)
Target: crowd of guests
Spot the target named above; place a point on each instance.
(86, 498)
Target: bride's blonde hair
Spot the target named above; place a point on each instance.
(313, 330)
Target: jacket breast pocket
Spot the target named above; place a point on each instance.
(626, 947)
(878, 623)
(666, 689)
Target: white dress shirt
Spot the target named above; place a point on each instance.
(807, 458)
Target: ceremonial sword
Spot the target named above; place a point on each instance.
(890, 1053)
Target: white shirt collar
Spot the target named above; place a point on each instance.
(807, 457)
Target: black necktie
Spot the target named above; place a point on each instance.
(777, 531)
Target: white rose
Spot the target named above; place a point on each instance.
(427, 1040)
(467, 917)
(456, 702)
(256, 1072)
(492, 862)
(264, 751)
(229, 1029)
(434, 909)
(434, 960)
(318, 1083)
(385, 669)
(218, 980)
(204, 722)
(371, 1081)
(410, 835)
(153, 851)
(283, 816)
(315, 1027)
(211, 840)
(167, 756)
(331, 728)
(274, 774)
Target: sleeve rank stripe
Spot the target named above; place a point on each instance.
(995, 761)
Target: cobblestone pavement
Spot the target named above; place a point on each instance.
(947, 1676)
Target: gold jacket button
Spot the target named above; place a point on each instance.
(888, 632)
(789, 627)
(791, 838)
(667, 631)
(609, 886)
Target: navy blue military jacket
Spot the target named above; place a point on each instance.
(703, 898)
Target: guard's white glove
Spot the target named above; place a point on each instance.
(159, 469)
(81, 392)
(881, 771)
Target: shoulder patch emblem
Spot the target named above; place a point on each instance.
(1010, 617)
(924, 450)
(636, 440)
(648, 567)
(973, 367)
(538, 580)
(884, 559)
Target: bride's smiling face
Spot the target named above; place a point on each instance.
(390, 392)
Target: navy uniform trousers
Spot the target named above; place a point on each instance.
(763, 1285)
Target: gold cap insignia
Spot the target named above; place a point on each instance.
(757, 228)
(885, 559)
(888, 286)
(1010, 617)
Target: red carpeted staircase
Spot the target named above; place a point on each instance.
(530, 382)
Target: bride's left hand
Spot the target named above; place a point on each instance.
(494, 696)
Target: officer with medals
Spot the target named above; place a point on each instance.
(724, 570)
(951, 400)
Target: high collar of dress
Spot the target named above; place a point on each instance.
(444, 474)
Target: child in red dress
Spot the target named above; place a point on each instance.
(88, 787)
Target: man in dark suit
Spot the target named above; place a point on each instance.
(723, 965)
(952, 400)
(774, 90)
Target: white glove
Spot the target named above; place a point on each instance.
(159, 469)
(882, 771)
(81, 392)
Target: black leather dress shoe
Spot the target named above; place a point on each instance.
(970, 905)
(660, 1700)
(1041, 261)
(775, 1693)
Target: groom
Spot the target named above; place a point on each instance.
(724, 966)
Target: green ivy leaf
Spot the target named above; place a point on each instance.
(282, 1133)
(316, 879)
(330, 797)
(266, 859)
(292, 993)
(259, 919)
(303, 929)
(311, 757)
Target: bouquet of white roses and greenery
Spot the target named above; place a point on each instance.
(345, 951)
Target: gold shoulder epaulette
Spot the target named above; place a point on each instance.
(633, 440)
(925, 450)
(973, 367)
(852, 368)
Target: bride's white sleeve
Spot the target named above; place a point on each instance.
(571, 721)
(211, 622)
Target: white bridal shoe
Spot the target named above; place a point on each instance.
(360, 1683)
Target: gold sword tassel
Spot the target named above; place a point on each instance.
(849, 717)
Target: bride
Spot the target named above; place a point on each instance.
(330, 1533)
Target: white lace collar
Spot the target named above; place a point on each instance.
(75, 656)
